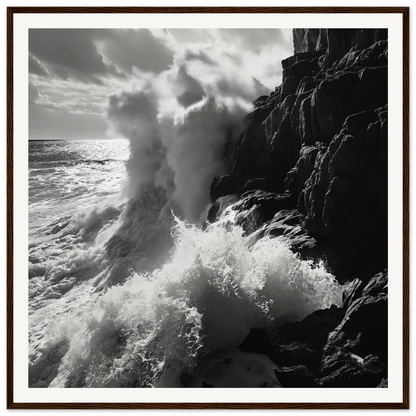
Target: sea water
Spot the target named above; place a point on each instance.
(125, 292)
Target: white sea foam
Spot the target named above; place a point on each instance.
(155, 328)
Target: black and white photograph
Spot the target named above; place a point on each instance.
(208, 208)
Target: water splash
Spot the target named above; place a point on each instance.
(158, 328)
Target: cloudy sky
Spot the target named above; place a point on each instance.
(81, 80)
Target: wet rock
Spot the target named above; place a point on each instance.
(298, 353)
(287, 226)
(237, 369)
(383, 384)
(262, 184)
(351, 292)
(298, 343)
(225, 185)
(257, 207)
(377, 285)
(219, 206)
(353, 371)
(322, 135)
(356, 351)
(314, 329)
(364, 327)
(296, 376)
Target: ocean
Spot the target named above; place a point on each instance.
(127, 290)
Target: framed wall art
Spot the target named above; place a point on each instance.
(208, 208)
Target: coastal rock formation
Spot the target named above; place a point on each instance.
(308, 165)
(320, 139)
(335, 347)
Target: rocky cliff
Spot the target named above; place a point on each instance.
(309, 166)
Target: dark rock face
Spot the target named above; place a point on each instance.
(322, 135)
(258, 206)
(225, 185)
(332, 347)
(288, 227)
(345, 195)
(356, 351)
(305, 40)
(309, 166)
(336, 42)
(219, 206)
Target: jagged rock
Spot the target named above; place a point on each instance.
(383, 384)
(309, 39)
(296, 376)
(306, 109)
(364, 328)
(297, 176)
(353, 371)
(345, 197)
(263, 184)
(257, 207)
(314, 329)
(298, 343)
(219, 206)
(298, 353)
(225, 185)
(356, 351)
(341, 41)
(351, 292)
(261, 101)
(322, 134)
(363, 90)
(378, 284)
(374, 56)
(300, 69)
(287, 226)
(248, 144)
(295, 118)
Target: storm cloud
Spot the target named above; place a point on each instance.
(76, 71)
(178, 120)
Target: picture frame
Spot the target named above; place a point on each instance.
(14, 158)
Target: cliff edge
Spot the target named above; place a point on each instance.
(309, 166)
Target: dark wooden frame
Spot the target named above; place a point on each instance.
(397, 10)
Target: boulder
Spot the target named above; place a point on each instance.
(296, 376)
(257, 207)
(287, 226)
(225, 185)
(356, 351)
(219, 206)
(353, 371)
